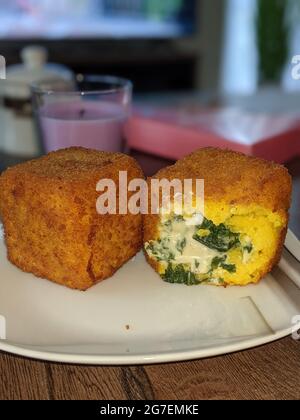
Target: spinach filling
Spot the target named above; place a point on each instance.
(219, 237)
(248, 248)
(221, 262)
(179, 275)
(216, 237)
(160, 250)
(181, 244)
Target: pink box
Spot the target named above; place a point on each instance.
(173, 133)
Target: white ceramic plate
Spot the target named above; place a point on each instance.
(137, 318)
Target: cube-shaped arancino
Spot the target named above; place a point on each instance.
(52, 227)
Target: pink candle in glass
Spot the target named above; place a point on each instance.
(90, 124)
(90, 111)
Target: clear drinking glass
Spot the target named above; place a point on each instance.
(90, 112)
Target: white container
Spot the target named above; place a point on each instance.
(18, 133)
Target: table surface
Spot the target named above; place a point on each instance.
(268, 372)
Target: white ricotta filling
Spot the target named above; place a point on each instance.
(179, 229)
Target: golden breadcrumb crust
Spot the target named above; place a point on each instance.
(52, 228)
(232, 178)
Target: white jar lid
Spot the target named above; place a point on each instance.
(33, 68)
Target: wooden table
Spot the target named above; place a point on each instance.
(268, 372)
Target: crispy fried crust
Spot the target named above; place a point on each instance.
(52, 228)
(232, 178)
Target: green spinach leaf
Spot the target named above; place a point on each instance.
(219, 237)
(178, 274)
(221, 262)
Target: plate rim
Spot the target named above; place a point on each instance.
(143, 359)
(168, 356)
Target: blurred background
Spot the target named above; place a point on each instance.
(234, 45)
(205, 72)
